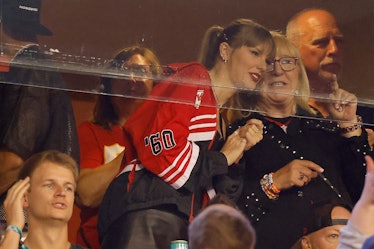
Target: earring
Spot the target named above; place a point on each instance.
(223, 59)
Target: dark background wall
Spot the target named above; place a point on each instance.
(174, 28)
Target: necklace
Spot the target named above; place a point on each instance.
(283, 126)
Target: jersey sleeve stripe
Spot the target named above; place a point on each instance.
(204, 125)
(202, 136)
(206, 116)
(182, 166)
(186, 175)
(175, 162)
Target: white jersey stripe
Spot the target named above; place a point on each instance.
(186, 175)
(181, 165)
(130, 166)
(206, 116)
(201, 136)
(204, 125)
(170, 167)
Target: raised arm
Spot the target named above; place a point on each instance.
(13, 206)
(363, 212)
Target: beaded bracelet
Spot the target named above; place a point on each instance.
(269, 187)
(15, 229)
(355, 126)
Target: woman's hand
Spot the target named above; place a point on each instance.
(241, 140)
(14, 202)
(296, 173)
(233, 148)
(252, 131)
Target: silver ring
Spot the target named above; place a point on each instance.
(301, 177)
(339, 107)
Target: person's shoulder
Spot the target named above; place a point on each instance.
(190, 70)
(179, 66)
(87, 125)
(369, 243)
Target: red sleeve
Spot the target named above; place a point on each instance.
(164, 134)
(91, 150)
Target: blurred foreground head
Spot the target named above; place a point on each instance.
(221, 226)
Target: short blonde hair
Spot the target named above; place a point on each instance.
(303, 90)
(52, 156)
(221, 226)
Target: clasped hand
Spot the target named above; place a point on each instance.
(244, 138)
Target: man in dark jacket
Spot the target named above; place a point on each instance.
(33, 116)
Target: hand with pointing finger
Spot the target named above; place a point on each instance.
(296, 173)
(343, 104)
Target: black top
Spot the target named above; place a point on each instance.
(34, 116)
(279, 223)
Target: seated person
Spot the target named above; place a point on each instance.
(32, 119)
(102, 139)
(46, 189)
(323, 229)
(220, 226)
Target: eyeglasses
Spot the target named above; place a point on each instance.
(286, 63)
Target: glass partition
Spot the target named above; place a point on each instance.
(87, 34)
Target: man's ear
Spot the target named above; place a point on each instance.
(225, 51)
(305, 243)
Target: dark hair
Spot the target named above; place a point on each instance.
(105, 113)
(52, 156)
(241, 32)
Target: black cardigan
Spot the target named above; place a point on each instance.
(279, 223)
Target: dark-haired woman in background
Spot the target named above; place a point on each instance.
(102, 139)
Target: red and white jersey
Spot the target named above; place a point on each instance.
(163, 134)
